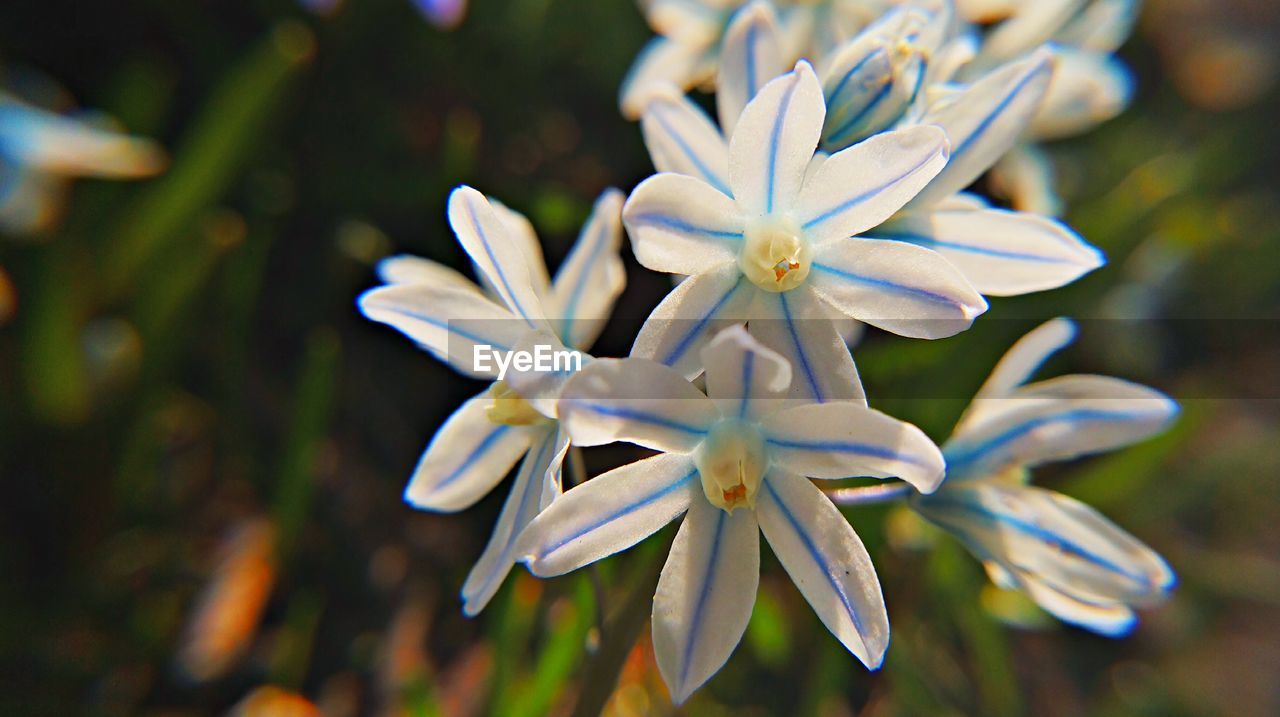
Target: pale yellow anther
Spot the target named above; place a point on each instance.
(731, 463)
(509, 408)
(774, 255)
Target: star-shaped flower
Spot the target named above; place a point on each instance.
(1065, 555)
(447, 315)
(734, 461)
(770, 243)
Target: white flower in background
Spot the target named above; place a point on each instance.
(40, 151)
(1090, 85)
(735, 459)
(686, 51)
(447, 315)
(1066, 556)
(1001, 253)
(775, 248)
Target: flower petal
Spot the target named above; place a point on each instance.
(845, 440)
(985, 120)
(1026, 355)
(448, 322)
(521, 232)
(750, 56)
(744, 378)
(1001, 253)
(694, 311)
(407, 269)
(1041, 536)
(1088, 88)
(67, 147)
(1025, 176)
(899, 287)
(1029, 25)
(827, 562)
(705, 595)
(860, 187)
(540, 466)
(775, 138)
(682, 139)
(609, 513)
(592, 276)
(466, 458)
(485, 233)
(661, 64)
(682, 225)
(1055, 420)
(856, 84)
(800, 328)
(637, 401)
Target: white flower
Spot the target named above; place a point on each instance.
(447, 315)
(1000, 252)
(1065, 555)
(769, 241)
(687, 50)
(734, 459)
(41, 150)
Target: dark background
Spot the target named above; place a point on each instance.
(185, 364)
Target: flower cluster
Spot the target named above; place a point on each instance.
(833, 190)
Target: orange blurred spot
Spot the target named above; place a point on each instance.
(272, 701)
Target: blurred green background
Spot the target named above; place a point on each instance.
(203, 445)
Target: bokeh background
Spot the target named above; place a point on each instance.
(203, 445)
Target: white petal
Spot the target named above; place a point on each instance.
(1026, 177)
(1026, 355)
(985, 120)
(696, 309)
(637, 401)
(1001, 253)
(827, 562)
(856, 84)
(682, 225)
(609, 514)
(542, 464)
(682, 139)
(64, 146)
(1088, 88)
(542, 385)
(448, 322)
(705, 595)
(750, 56)
(522, 233)
(406, 269)
(1056, 420)
(800, 328)
(860, 187)
(467, 457)
(1102, 26)
(663, 63)
(744, 378)
(899, 287)
(1108, 620)
(774, 141)
(1042, 536)
(592, 276)
(485, 234)
(845, 440)
(1032, 24)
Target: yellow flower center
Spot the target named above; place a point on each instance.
(509, 408)
(731, 463)
(774, 255)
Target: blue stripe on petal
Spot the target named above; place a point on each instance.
(887, 285)
(669, 222)
(481, 448)
(571, 305)
(852, 123)
(805, 367)
(863, 449)
(687, 340)
(816, 555)
(488, 249)
(958, 148)
(439, 323)
(619, 513)
(748, 368)
(708, 580)
(711, 177)
(958, 458)
(775, 138)
(752, 87)
(930, 242)
(632, 414)
(854, 201)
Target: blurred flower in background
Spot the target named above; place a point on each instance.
(444, 14)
